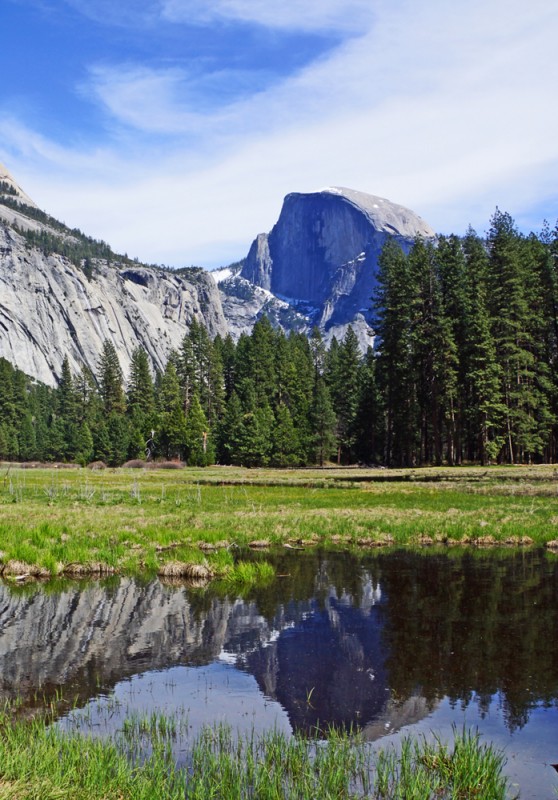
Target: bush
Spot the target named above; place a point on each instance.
(135, 463)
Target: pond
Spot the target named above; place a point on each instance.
(390, 643)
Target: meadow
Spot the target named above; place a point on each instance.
(41, 762)
(195, 522)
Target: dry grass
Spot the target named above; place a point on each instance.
(178, 569)
(89, 568)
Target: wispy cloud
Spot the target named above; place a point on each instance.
(337, 15)
(172, 101)
(129, 13)
(445, 108)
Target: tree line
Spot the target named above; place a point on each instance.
(265, 400)
(464, 369)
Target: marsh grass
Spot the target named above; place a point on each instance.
(41, 761)
(135, 521)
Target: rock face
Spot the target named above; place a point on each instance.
(49, 308)
(85, 640)
(322, 255)
(316, 267)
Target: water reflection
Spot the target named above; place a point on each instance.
(373, 643)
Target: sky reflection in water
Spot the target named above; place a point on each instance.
(395, 642)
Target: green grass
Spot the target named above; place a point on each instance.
(134, 521)
(42, 763)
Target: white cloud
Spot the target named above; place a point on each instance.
(142, 98)
(445, 108)
(312, 15)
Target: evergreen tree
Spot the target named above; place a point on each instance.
(286, 444)
(369, 412)
(101, 442)
(200, 371)
(119, 438)
(65, 427)
(322, 424)
(342, 374)
(26, 442)
(8, 411)
(198, 441)
(140, 395)
(109, 377)
(85, 446)
(231, 431)
(484, 408)
(140, 404)
(88, 401)
(524, 377)
(226, 352)
(255, 361)
(257, 425)
(171, 436)
(394, 339)
(452, 272)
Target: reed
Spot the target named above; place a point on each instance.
(41, 761)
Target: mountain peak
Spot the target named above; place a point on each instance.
(382, 213)
(8, 186)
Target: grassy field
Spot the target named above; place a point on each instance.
(42, 763)
(190, 522)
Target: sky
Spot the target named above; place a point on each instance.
(173, 129)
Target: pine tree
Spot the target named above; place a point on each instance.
(84, 445)
(89, 404)
(109, 377)
(140, 404)
(171, 436)
(394, 333)
(286, 444)
(26, 442)
(231, 431)
(546, 256)
(226, 351)
(343, 383)
(101, 442)
(484, 408)
(8, 411)
(369, 412)
(66, 412)
(140, 395)
(119, 438)
(257, 425)
(517, 350)
(255, 360)
(322, 424)
(200, 372)
(452, 271)
(198, 441)
(67, 401)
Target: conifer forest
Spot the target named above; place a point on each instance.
(463, 369)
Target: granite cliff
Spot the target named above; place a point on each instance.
(62, 293)
(51, 306)
(318, 264)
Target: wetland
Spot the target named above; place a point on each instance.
(398, 608)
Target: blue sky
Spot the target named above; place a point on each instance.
(173, 128)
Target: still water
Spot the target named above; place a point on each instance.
(391, 643)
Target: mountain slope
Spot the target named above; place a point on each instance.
(63, 293)
(52, 305)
